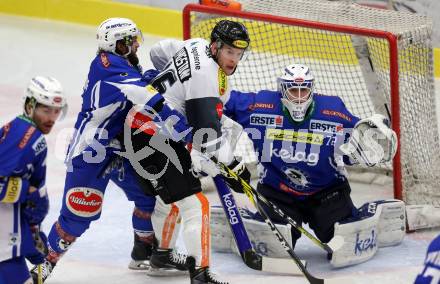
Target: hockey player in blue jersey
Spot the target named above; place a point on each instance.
(297, 135)
(23, 197)
(114, 86)
(431, 271)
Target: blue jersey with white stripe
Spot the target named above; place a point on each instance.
(431, 271)
(23, 153)
(297, 158)
(105, 105)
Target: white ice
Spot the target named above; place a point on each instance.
(32, 47)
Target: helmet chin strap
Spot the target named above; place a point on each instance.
(125, 55)
(234, 70)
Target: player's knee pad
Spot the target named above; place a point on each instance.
(59, 241)
(193, 207)
(262, 238)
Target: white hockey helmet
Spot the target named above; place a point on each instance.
(296, 86)
(46, 91)
(114, 29)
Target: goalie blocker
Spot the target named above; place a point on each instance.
(378, 224)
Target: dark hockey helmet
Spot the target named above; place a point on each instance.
(232, 33)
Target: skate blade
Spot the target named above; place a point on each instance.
(165, 272)
(139, 265)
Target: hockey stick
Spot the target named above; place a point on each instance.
(251, 258)
(40, 274)
(287, 247)
(251, 192)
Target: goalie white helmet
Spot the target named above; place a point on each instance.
(46, 91)
(296, 87)
(114, 29)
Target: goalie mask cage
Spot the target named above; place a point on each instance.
(378, 61)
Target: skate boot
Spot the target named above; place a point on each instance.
(46, 270)
(140, 255)
(201, 275)
(166, 262)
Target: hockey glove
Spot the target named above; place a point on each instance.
(38, 254)
(240, 169)
(371, 142)
(202, 163)
(36, 206)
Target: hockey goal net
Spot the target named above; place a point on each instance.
(378, 61)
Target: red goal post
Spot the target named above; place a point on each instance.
(285, 36)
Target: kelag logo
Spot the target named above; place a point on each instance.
(327, 127)
(266, 119)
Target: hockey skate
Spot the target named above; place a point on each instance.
(46, 270)
(201, 275)
(166, 262)
(140, 255)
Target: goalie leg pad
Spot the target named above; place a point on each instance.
(221, 235)
(355, 240)
(378, 224)
(260, 235)
(391, 226)
(391, 221)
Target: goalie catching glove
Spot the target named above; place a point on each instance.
(372, 141)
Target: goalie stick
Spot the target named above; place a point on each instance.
(251, 192)
(251, 258)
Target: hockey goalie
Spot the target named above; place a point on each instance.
(303, 141)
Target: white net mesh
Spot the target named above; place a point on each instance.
(354, 67)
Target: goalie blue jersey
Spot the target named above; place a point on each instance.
(431, 271)
(23, 153)
(105, 104)
(298, 158)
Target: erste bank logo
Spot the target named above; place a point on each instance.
(328, 127)
(266, 119)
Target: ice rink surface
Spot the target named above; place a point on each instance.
(37, 47)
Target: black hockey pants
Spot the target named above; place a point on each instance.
(321, 211)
